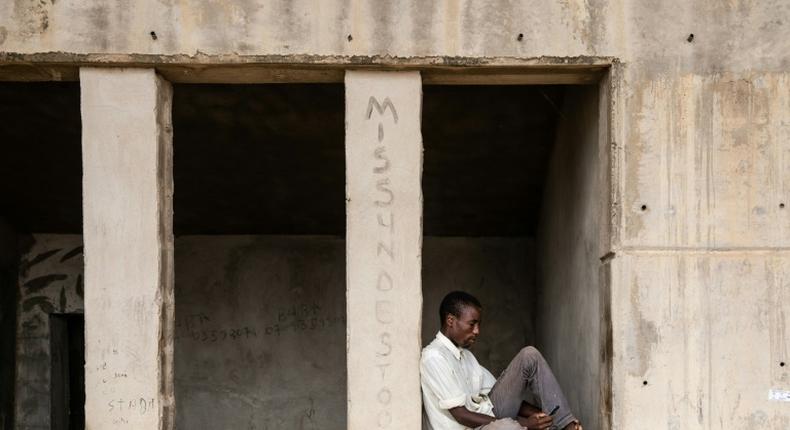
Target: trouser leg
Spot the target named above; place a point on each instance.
(529, 372)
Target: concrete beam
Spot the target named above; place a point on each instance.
(127, 210)
(384, 238)
(262, 69)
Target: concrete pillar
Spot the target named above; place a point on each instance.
(127, 210)
(384, 238)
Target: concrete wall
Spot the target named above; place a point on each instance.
(260, 321)
(572, 292)
(50, 281)
(699, 138)
(260, 332)
(698, 292)
(738, 37)
(8, 273)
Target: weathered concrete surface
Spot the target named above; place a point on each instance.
(703, 175)
(127, 207)
(260, 327)
(570, 322)
(50, 281)
(708, 158)
(384, 241)
(260, 332)
(699, 339)
(8, 298)
(408, 28)
(734, 36)
(694, 119)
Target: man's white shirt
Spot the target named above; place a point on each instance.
(452, 377)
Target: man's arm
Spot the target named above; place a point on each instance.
(470, 419)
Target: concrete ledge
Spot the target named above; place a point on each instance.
(199, 68)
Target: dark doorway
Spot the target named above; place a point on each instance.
(68, 371)
(260, 224)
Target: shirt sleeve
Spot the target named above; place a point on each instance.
(488, 381)
(438, 377)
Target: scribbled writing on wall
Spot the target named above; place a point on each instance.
(121, 409)
(385, 252)
(303, 317)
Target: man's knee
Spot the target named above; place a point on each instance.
(530, 352)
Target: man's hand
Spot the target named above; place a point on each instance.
(539, 421)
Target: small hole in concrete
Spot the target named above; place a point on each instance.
(781, 205)
(782, 364)
(349, 38)
(520, 37)
(690, 38)
(644, 382)
(153, 35)
(644, 207)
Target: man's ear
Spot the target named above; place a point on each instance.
(450, 320)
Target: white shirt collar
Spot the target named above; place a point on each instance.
(449, 345)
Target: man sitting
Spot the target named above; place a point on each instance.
(458, 393)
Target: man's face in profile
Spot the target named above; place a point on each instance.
(464, 329)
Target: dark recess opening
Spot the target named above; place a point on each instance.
(40, 193)
(67, 349)
(517, 213)
(487, 150)
(259, 218)
(259, 159)
(41, 157)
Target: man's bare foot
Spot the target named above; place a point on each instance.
(574, 425)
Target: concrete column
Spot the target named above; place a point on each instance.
(384, 238)
(127, 210)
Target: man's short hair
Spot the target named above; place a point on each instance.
(453, 303)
